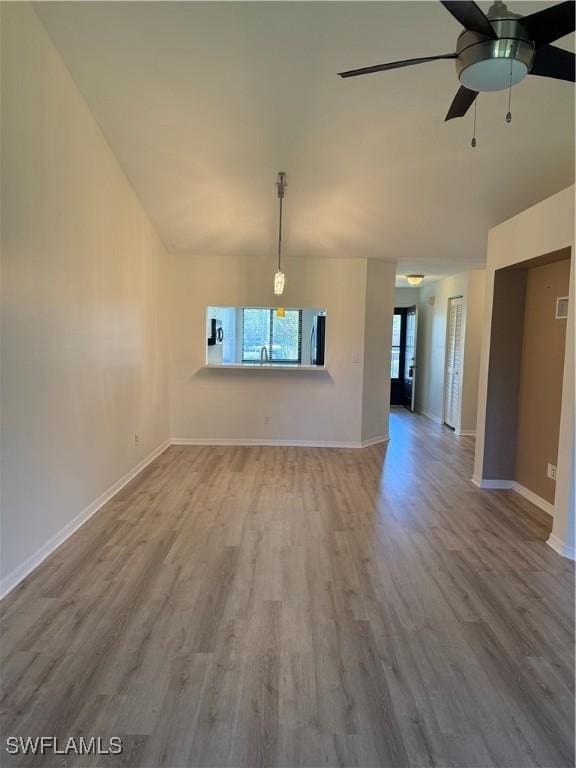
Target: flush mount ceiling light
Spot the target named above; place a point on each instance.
(279, 276)
(414, 279)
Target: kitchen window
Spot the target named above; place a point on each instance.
(279, 335)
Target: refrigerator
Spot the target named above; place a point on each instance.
(318, 340)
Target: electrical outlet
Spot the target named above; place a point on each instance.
(266, 419)
(356, 358)
(136, 440)
(551, 473)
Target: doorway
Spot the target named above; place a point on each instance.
(454, 358)
(525, 387)
(403, 357)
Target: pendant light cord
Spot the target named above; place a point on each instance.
(281, 196)
(281, 185)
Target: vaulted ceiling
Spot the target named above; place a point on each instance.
(202, 104)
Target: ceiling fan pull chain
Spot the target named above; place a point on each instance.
(509, 113)
(473, 142)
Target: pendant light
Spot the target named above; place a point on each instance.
(279, 276)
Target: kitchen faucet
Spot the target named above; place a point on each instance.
(264, 355)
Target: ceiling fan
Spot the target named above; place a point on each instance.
(497, 50)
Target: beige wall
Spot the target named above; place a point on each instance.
(431, 357)
(380, 277)
(542, 229)
(563, 537)
(504, 379)
(83, 367)
(475, 295)
(310, 407)
(406, 297)
(542, 369)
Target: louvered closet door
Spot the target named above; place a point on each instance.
(454, 358)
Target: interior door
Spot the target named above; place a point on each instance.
(410, 357)
(454, 358)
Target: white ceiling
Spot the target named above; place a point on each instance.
(202, 103)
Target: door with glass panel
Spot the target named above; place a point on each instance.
(398, 357)
(409, 390)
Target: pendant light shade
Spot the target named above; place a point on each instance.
(279, 276)
(279, 283)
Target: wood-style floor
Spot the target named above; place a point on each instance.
(301, 607)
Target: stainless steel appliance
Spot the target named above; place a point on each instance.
(318, 340)
(216, 332)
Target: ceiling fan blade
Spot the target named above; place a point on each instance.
(395, 65)
(461, 104)
(554, 62)
(470, 16)
(551, 23)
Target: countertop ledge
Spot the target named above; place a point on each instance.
(266, 367)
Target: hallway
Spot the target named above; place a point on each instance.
(263, 606)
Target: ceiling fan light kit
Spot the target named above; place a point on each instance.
(496, 51)
(493, 64)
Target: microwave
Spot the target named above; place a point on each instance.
(216, 332)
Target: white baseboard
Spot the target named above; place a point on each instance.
(429, 415)
(243, 441)
(14, 578)
(512, 485)
(438, 420)
(493, 485)
(374, 441)
(561, 548)
(538, 501)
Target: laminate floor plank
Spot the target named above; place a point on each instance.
(238, 607)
